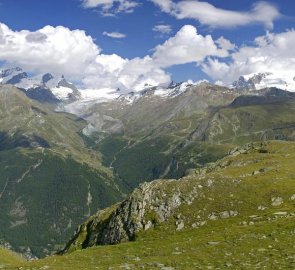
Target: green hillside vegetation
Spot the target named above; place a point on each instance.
(50, 181)
(238, 213)
(35, 212)
(155, 139)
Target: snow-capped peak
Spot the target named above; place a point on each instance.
(257, 81)
(12, 75)
(58, 87)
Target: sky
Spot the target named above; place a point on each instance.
(132, 43)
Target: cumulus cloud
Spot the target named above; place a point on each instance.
(116, 35)
(104, 71)
(141, 71)
(111, 7)
(273, 53)
(164, 29)
(261, 13)
(59, 50)
(187, 46)
(53, 49)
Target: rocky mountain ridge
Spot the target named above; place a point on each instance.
(45, 88)
(257, 81)
(56, 89)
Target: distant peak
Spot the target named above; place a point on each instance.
(46, 78)
(261, 80)
(10, 71)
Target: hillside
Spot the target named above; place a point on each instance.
(237, 213)
(48, 176)
(156, 137)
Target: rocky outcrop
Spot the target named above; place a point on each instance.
(147, 206)
(238, 187)
(151, 204)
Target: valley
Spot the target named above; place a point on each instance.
(61, 162)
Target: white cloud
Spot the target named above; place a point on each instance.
(261, 13)
(273, 53)
(165, 5)
(225, 44)
(111, 7)
(141, 71)
(164, 29)
(104, 71)
(187, 46)
(50, 49)
(114, 35)
(59, 50)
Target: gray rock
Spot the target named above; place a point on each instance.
(213, 216)
(224, 214)
(213, 243)
(179, 225)
(281, 213)
(276, 201)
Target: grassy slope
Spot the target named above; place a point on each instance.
(264, 246)
(261, 235)
(9, 259)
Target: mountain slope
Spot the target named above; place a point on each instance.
(156, 137)
(48, 176)
(151, 135)
(232, 184)
(237, 213)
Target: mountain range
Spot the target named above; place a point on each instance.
(63, 90)
(67, 152)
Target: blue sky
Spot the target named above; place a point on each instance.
(138, 24)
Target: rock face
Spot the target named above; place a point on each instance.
(242, 83)
(142, 210)
(17, 78)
